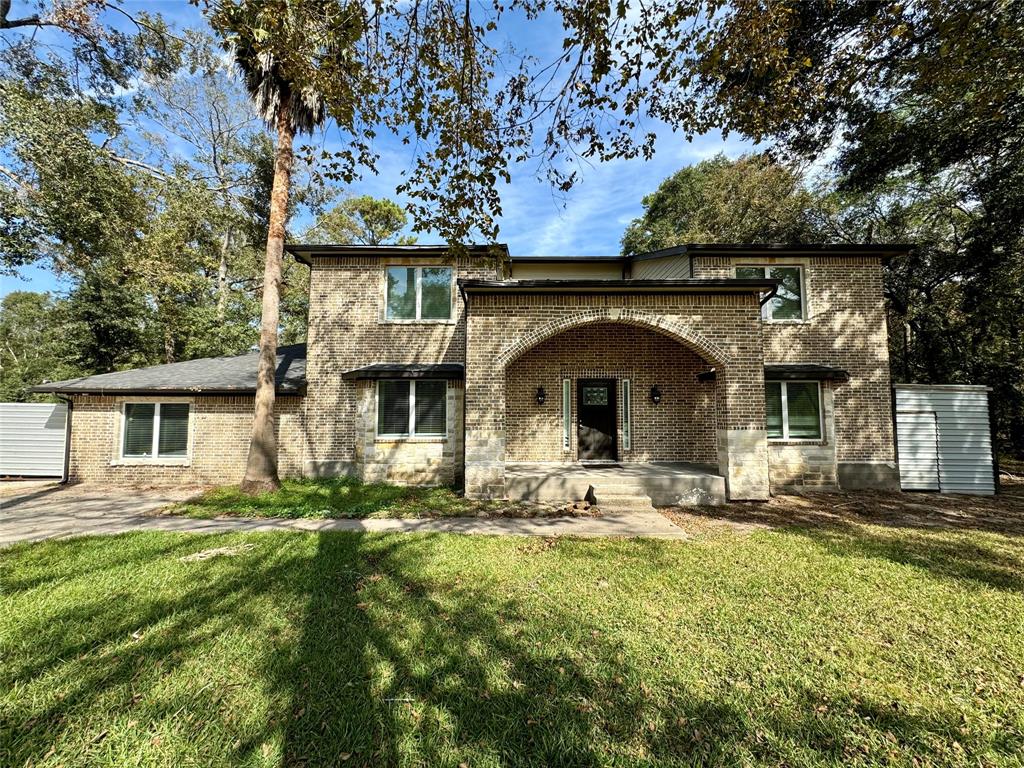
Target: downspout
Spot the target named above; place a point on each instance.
(67, 439)
(768, 296)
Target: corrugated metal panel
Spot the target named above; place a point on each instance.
(959, 455)
(32, 439)
(665, 268)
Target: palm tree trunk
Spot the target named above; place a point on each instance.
(261, 467)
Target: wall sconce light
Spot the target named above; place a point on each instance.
(655, 394)
(541, 395)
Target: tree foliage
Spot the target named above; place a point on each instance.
(362, 220)
(749, 200)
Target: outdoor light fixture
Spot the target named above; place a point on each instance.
(655, 394)
(541, 395)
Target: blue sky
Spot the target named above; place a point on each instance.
(589, 220)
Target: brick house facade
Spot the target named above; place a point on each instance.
(766, 365)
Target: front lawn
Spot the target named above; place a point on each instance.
(345, 497)
(841, 645)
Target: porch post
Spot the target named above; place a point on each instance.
(741, 434)
(484, 414)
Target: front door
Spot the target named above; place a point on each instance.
(595, 403)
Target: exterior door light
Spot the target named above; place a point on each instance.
(655, 394)
(541, 395)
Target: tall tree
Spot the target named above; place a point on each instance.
(749, 200)
(291, 107)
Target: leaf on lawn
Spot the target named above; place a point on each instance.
(206, 554)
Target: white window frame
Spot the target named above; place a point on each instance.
(411, 425)
(785, 412)
(155, 457)
(766, 307)
(419, 294)
(566, 414)
(627, 407)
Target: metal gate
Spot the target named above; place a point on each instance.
(32, 439)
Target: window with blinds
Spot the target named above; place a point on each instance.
(155, 431)
(793, 410)
(412, 408)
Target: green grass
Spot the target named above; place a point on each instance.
(345, 498)
(844, 646)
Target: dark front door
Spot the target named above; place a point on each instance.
(595, 403)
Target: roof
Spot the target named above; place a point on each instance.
(306, 252)
(407, 371)
(208, 375)
(737, 249)
(690, 285)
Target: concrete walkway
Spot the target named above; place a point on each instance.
(59, 512)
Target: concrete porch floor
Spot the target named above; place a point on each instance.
(667, 483)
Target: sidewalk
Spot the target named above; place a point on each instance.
(60, 512)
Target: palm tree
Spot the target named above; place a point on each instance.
(289, 110)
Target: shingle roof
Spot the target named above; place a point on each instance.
(208, 375)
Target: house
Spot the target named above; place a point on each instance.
(751, 367)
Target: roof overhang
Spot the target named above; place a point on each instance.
(446, 371)
(792, 372)
(307, 252)
(627, 287)
(59, 388)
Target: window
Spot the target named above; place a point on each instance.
(788, 302)
(419, 293)
(793, 410)
(627, 397)
(155, 431)
(412, 408)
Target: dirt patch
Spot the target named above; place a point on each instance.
(1002, 513)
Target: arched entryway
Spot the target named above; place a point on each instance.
(603, 378)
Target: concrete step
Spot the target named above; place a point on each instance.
(619, 500)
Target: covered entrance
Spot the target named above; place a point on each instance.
(596, 432)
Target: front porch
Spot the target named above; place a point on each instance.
(667, 484)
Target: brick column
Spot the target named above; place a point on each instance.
(484, 415)
(742, 437)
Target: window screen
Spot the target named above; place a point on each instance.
(430, 407)
(401, 296)
(804, 410)
(173, 438)
(773, 408)
(787, 303)
(436, 293)
(138, 429)
(393, 408)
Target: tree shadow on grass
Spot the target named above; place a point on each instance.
(401, 663)
(390, 650)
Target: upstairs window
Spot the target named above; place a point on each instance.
(793, 410)
(419, 293)
(155, 431)
(788, 302)
(412, 408)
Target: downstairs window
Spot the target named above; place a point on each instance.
(412, 408)
(155, 431)
(793, 410)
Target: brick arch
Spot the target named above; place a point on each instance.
(677, 331)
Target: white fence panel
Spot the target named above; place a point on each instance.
(32, 439)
